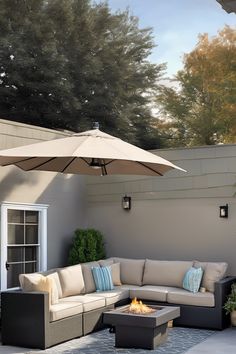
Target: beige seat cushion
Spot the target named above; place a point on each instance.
(112, 296)
(212, 272)
(88, 276)
(72, 281)
(184, 297)
(65, 309)
(128, 286)
(150, 292)
(165, 273)
(38, 282)
(131, 270)
(89, 302)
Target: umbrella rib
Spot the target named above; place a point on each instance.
(104, 170)
(108, 163)
(149, 168)
(72, 160)
(28, 158)
(82, 158)
(41, 164)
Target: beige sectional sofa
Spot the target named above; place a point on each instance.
(63, 303)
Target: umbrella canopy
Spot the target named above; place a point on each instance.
(91, 153)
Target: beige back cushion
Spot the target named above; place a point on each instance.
(106, 262)
(88, 276)
(212, 272)
(115, 273)
(131, 270)
(45, 284)
(115, 269)
(56, 289)
(71, 278)
(54, 274)
(38, 282)
(167, 273)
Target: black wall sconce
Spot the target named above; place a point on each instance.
(126, 202)
(224, 211)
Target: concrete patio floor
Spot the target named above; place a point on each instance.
(219, 343)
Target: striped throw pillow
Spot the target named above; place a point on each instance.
(192, 279)
(102, 278)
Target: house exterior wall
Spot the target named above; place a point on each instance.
(13, 134)
(175, 216)
(65, 195)
(172, 217)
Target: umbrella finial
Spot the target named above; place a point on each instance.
(96, 125)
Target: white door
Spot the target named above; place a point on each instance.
(23, 242)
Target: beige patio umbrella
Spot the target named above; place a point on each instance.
(91, 153)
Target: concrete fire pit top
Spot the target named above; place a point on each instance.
(120, 316)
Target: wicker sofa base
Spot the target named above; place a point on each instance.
(26, 321)
(92, 320)
(197, 316)
(205, 317)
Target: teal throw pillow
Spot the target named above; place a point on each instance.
(192, 279)
(102, 278)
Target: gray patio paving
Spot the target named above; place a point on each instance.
(219, 343)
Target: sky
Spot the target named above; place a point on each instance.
(176, 25)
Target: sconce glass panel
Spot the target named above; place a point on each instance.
(224, 211)
(126, 202)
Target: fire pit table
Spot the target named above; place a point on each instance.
(140, 330)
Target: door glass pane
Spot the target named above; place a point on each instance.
(13, 275)
(15, 254)
(31, 217)
(15, 234)
(30, 267)
(15, 216)
(30, 253)
(31, 234)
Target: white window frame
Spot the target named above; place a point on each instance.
(42, 209)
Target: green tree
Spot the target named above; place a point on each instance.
(87, 246)
(201, 110)
(67, 63)
(33, 89)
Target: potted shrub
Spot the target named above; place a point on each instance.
(87, 246)
(230, 305)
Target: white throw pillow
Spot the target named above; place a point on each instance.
(38, 282)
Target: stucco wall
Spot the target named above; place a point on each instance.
(65, 194)
(175, 216)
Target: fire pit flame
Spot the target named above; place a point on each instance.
(138, 307)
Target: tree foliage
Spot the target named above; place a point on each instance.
(201, 110)
(67, 63)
